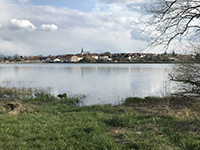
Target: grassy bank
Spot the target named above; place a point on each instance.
(46, 122)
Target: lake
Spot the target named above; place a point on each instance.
(101, 83)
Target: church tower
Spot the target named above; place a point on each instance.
(82, 52)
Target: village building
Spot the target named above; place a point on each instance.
(95, 56)
(69, 58)
(57, 60)
(127, 57)
(82, 52)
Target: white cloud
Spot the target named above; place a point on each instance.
(17, 25)
(113, 1)
(14, 47)
(8, 9)
(106, 29)
(1, 25)
(23, 1)
(49, 27)
(122, 1)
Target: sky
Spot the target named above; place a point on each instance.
(55, 27)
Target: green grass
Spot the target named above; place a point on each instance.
(46, 122)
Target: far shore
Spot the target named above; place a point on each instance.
(22, 62)
(133, 62)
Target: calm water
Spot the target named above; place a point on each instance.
(102, 83)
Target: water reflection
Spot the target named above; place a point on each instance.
(103, 83)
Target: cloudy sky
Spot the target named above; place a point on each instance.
(44, 27)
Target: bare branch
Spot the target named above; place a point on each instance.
(173, 20)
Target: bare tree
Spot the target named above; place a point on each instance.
(88, 59)
(178, 20)
(173, 20)
(187, 73)
(17, 57)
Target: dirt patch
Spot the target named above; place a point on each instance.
(117, 133)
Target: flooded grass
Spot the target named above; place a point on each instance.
(48, 122)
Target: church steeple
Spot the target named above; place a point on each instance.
(82, 52)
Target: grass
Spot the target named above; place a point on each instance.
(46, 122)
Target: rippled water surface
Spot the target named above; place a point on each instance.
(102, 83)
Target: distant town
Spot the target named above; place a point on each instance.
(87, 57)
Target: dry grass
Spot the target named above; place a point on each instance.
(15, 107)
(162, 123)
(176, 106)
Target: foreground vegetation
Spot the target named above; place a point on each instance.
(42, 121)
